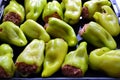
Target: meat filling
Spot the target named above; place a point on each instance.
(13, 17)
(46, 25)
(81, 31)
(3, 73)
(85, 13)
(26, 68)
(71, 71)
(56, 15)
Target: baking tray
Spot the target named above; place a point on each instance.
(90, 74)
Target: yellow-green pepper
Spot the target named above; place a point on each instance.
(96, 35)
(92, 6)
(52, 9)
(55, 52)
(31, 58)
(14, 12)
(108, 20)
(34, 8)
(59, 29)
(76, 62)
(72, 11)
(7, 66)
(33, 30)
(106, 60)
(12, 34)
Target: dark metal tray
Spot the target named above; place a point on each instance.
(90, 74)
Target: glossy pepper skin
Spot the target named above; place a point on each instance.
(92, 6)
(105, 60)
(14, 12)
(34, 8)
(12, 34)
(52, 9)
(31, 58)
(55, 52)
(96, 35)
(33, 30)
(76, 62)
(60, 29)
(108, 20)
(7, 66)
(73, 9)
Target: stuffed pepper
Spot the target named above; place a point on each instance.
(76, 62)
(31, 58)
(14, 12)
(96, 35)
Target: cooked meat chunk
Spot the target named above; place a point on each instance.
(3, 73)
(13, 17)
(71, 71)
(53, 15)
(26, 69)
(85, 13)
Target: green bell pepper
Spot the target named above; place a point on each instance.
(7, 66)
(55, 52)
(60, 29)
(52, 9)
(33, 30)
(73, 9)
(108, 20)
(12, 34)
(31, 58)
(14, 12)
(34, 8)
(96, 35)
(76, 62)
(92, 6)
(106, 60)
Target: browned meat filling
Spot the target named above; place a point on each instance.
(71, 71)
(53, 15)
(85, 12)
(46, 25)
(13, 17)
(3, 73)
(25, 68)
(82, 31)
